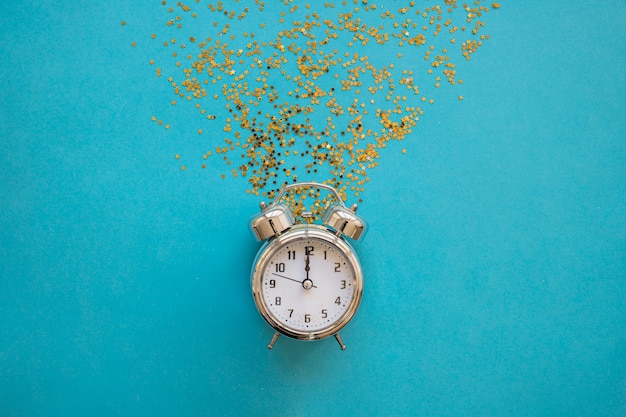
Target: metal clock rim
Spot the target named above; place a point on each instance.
(298, 232)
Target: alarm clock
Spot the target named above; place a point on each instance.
(307, 281)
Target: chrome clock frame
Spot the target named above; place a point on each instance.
(277, 226)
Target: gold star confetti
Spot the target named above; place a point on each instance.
(321, 91)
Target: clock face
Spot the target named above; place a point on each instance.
(308, 286)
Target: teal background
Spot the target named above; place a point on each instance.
(495, 262)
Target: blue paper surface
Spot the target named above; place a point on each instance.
(495, 263)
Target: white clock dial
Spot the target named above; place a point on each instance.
(308, 283)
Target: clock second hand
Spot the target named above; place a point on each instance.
(294, 280)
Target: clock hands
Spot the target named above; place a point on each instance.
(304, 283)
(282, 276)
(307, 283)
(307, 268)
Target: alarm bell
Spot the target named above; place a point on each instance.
(345, 221)
(277, 217)
(272, 221)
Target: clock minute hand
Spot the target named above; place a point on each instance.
(307, 268)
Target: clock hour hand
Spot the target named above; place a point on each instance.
(307, 283)
(307, 268)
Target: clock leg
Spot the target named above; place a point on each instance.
(274, 338)
(343, 347)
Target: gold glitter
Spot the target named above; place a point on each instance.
(290, 104)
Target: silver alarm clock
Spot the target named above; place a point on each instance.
(307, 281)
